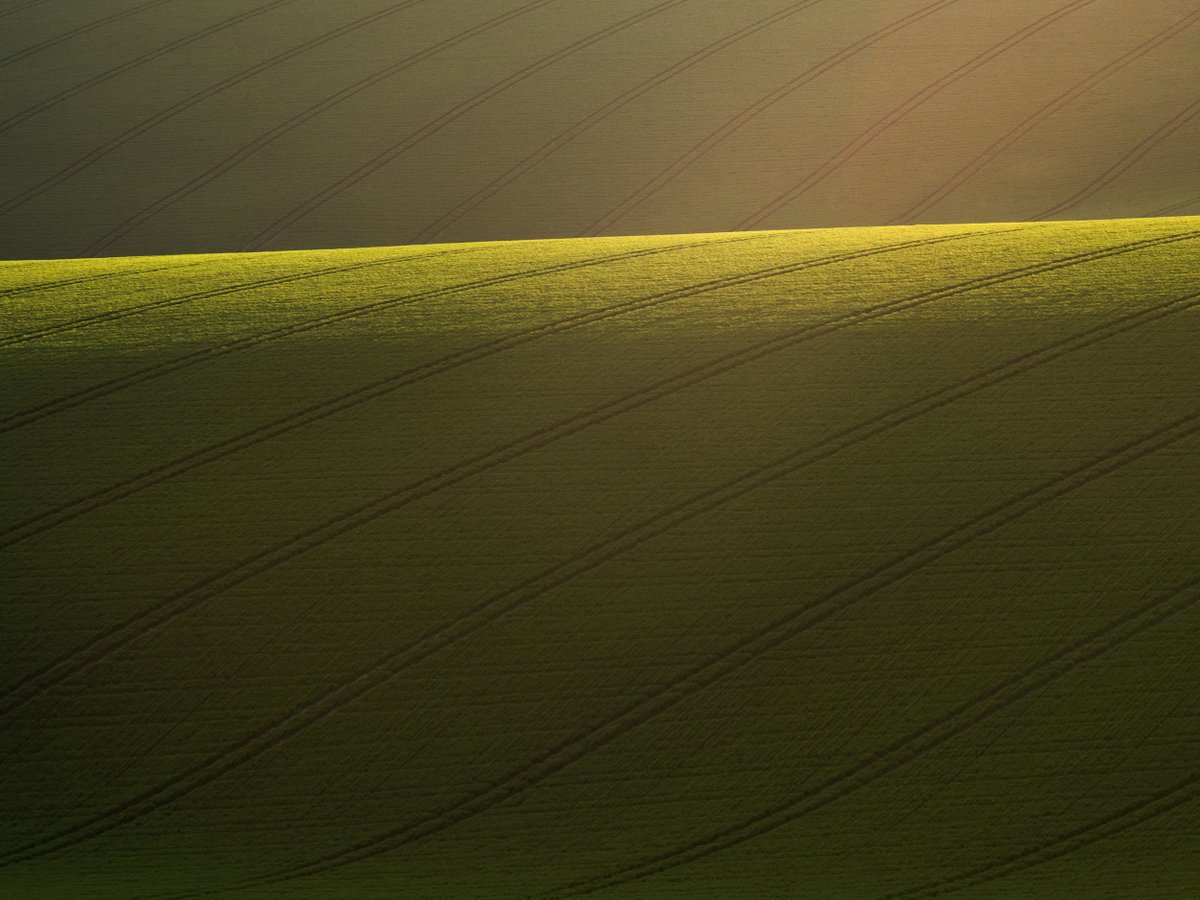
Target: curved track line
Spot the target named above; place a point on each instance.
(616, 104)
(1117, 169)
(40, 107)
(259, 433)
(901, 112)
(187, 103)
(160, 613)
(22, 289)
(1175, 207)
(75, 32)
(791, 625)
(22, 7)
(1030, 122)
(911, 747)
(1157, 804)
(234, 159)
(384, 670)
(377, 162)
(639, 197)
(155, 305)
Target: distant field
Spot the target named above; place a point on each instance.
(839, 563)
(168, 126)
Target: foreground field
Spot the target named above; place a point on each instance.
(166, 126)
(848, 563)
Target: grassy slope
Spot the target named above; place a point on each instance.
(841, 562)
(161, 126)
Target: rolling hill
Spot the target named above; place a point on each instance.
(167, 126)
(837, 563)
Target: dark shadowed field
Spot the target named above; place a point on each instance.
(850, 563)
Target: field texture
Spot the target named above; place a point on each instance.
(175, 126)
(849, 563)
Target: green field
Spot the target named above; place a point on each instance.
(847, 563)
(175, 126)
